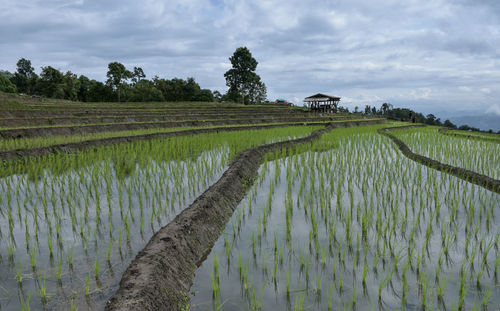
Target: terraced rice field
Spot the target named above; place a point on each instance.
(338, 220)
(355, 225)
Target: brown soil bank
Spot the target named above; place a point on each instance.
(161, 275)
(470, 176)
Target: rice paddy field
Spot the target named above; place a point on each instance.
(481, 156)
(346, 222)
(72, 224)
(355, 226)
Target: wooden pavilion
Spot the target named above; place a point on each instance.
(322, 102)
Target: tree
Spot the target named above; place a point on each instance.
(84, 91)
(257, 91)
(204, 95)
(71, 86)
(145, 91)
(242, 79)
(430, 119)
(190, 90)
(343, 109)
(368, 109)
(137, 75)
(25, 77)
(117, 75)
(51, 82)
(7, 86)
(7, 74)
(217, 96)
(449, 124)
(385, 108)
(99, 92)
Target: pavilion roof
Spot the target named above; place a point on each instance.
(321, 97)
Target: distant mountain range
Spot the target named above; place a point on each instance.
(483, 122)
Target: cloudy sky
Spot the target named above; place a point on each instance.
(432, 56)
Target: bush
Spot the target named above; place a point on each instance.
(6, 85)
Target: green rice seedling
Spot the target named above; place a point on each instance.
(59, 268)
(497, 264)
(87, 285)
(97, 266)
(354, 294)
(486, 252)
(288, 281)
(25, 304)
(216, 281)
(479, 276)
(463, 287)
(341, 282)
(318, 285)
(51, 246)
(442, 282)
(486, 297)
(365, 273)
(73, 305)
(108, 254)
(19, 273)
(299, 302)
(33, 259)
(254, 246)
(43, 288)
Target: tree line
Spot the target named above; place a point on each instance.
(122, 84)
(405, 114)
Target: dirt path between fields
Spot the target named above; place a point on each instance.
(469, 176)
(161, 275)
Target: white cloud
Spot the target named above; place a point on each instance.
(494, 109)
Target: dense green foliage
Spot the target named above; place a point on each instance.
(121, 85)
(244, 84)
(6, 85)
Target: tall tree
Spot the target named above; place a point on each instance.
(137, 75)
(117, 75)
(71, 86)
(25, 77)
(51, 82)
(241, 78)
(385, 107)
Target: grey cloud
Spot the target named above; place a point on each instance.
(365, 51)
